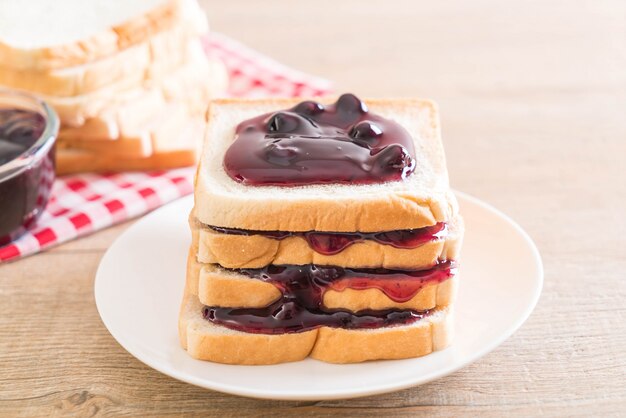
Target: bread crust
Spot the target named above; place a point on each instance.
(99, 45)
(405, 212)
(337, 345)
(143, 138)
(256, 251)
(206, 341)
(115, 120)
(155, 136)
(134, 147)
(220, 201)
(206, 76)
(215, 286)
(77, 161)
(237, 348)
(129, 121)
(70, 161)
(149, 59)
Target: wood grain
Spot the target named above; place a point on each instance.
(533, 100)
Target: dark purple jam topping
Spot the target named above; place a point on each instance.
(329, 243)
(23, 196)
(300, 307)
(19, 130)
(316, 144)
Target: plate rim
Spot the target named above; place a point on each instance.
(347, 393)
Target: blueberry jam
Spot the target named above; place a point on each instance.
(316, 144)
(300, 307)
(329, 243)
(19, 129)
(23, 196)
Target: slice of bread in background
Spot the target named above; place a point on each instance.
(110, 69)
(134, 147)
(206, 341)
(159, 134)
(177, 151)
(54, 34)
(125, 120)
(422, 200)
(203, 74)
(166, 135)
(120, 117)
(104, 127)
(152, 58)
(71, 161)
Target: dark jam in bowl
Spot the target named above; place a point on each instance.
(19, 130)
(26, 162)
(316, 144)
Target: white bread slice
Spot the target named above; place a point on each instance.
(166, 136)
(45, 34)
(179, 151)
(72, 161)
(255, 251)
(104, 127)
(200, 72)
(160, 133)
(117, 118)
(204, 340)
(134, 147)
(139, 140)
(423, 199)
(128, 121)
(215, 286)
(130, 67)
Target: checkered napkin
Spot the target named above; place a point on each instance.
(84, 203)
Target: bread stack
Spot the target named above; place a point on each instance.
(130, 80)
(361, 268)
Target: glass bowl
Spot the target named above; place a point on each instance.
(28, 132)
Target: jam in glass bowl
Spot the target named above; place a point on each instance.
(28, 131)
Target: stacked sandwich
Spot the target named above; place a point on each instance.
(321, 229)
(130, 80)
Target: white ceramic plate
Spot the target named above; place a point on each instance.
(139, 286)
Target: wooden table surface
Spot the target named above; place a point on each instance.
(533, 102)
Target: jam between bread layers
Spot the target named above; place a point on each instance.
(315, 144)
(300, 308)
(330, 243)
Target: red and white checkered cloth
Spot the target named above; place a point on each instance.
(84, 203)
